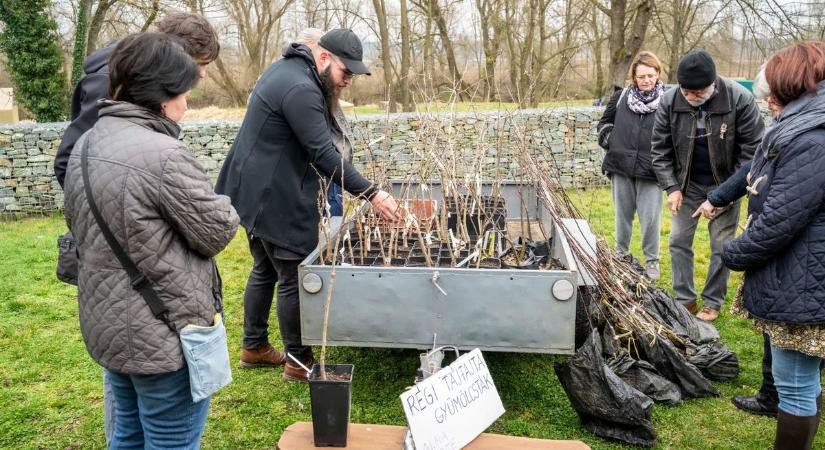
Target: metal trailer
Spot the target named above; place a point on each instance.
(507, 310)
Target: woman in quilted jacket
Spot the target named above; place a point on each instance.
(161, 209)
(782, 250)
(624, 132)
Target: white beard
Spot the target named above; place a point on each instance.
(703, 99)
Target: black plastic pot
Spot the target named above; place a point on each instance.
(489, 263)
(421, 261)
(331, 403)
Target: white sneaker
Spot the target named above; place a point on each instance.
(652, 270)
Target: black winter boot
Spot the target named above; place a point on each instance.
(796, 432)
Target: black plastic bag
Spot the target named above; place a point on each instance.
(715, 360)
(607, 406)
(668, 311)
(637, 373)
(672, 365)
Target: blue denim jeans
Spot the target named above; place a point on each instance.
(797, 380)
(156, 412)
(108, 407)
(335, 197)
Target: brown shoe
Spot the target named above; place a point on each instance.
(265, 356)
(691, 307)
(708, 314)
(296, 373)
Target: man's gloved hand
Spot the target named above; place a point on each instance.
(386, 206)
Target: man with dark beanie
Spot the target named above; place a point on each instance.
(704, 130)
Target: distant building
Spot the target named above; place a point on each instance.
(8, 110)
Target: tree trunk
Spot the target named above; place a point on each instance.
(491, 25)
(96, 24)
(236, 96)
(404, 76)
(676, 39)
(512, 46)
(455, 74)
(79, 50)
(597, 53)
(566, 51)
(384, 36)
(623, 48)
(525, 62)
(153, 14)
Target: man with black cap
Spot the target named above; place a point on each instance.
(704, 130)
(272, 175)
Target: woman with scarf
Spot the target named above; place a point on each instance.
(624, 132)
(782, 250)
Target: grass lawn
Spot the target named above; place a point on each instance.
(51, 396)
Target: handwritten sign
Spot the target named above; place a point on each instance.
(453, 406)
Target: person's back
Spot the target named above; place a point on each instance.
(284, 144)
(137, 167)
(782, 249)
(192, 30)
(164, 217)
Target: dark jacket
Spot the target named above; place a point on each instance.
(783, 250)
(733, 123)
(91, 88)
(625, 135)
(272, 171)
(159, 204)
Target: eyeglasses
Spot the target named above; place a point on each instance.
(347, 74)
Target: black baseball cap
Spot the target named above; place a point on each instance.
(343, 43)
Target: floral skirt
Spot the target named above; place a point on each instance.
(807, 339)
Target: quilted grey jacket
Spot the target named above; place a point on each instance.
(160, 206)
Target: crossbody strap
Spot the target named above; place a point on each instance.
(138, 280)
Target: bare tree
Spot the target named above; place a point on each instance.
(596, 42)
(573, 12)
(492, 28)
(386, 61)
(437, 15)
(628, 26)
(406, 50)
(684, 26)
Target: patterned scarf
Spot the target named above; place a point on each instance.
(641, 102)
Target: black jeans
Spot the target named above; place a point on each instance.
(271, 265)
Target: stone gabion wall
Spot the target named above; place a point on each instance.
(391, 148)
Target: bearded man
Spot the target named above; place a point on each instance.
(272, 174)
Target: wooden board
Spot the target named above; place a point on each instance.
(298, 436)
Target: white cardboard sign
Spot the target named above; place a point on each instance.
(453, 406)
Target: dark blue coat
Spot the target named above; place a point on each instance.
(783, 250)
(92, 87)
